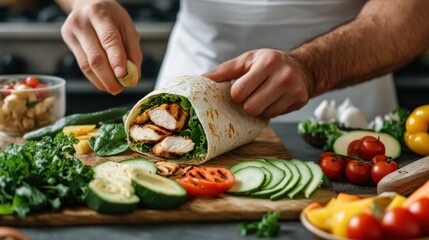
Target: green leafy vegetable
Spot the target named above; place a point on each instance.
(193, 130)
(42, 174)
(267, 227)
(394, 124)
(111, 140)
(328, 132)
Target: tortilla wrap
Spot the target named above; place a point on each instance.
(225, 123)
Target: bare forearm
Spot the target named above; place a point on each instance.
(384, 36)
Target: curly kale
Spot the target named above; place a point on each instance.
(42, 174)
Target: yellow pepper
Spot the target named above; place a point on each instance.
(416, 134)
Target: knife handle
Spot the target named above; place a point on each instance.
(407, 179)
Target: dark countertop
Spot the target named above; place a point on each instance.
(208, 231)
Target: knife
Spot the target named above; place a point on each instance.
(406, 179)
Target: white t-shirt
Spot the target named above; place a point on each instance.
(209, 32)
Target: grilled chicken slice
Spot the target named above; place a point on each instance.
(148, 133)
(142, 118)
(173, 147)
(170, 116)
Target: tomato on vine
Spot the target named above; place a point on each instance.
(332, 166)
(353, 147)
(380, 169)
(358, 172)
(369, 147)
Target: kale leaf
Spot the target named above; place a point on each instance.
(42, 174)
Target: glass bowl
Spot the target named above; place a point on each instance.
(30, 101)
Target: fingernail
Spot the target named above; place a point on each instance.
(119, 72)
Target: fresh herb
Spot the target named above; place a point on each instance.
(329, 132)
(193, 129)
(267, 227)
(42, 174)
(394, 124)
(111, 140)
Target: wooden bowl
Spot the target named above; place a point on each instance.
(317, 233)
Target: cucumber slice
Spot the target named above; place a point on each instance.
(316, 180)
(112, 170)
(288, 175)
(110, 197)
(392, 145)
(155, 191)
(268, 177)
(247, 180)
(141, 163)
(305, 178)
(293, 181)
(277, 173)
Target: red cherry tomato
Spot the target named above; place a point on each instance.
(207, 181)
(379, 158)
(369, 147)
(399, 223)
(420, 210)
(42, 94)
(380, 169)
(332, 166)
(326, 154)
(358, 172)
(31, 81)
(364, 226)
(7, 87)
(353, 147)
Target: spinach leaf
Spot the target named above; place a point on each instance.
(111, 140)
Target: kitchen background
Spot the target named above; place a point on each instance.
(30, 42)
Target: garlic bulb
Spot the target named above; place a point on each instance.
(326, 111)
(352, 117)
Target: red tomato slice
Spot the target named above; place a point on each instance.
(207, 181)
(194, 189)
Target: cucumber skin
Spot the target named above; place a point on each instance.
(292, 182)
(288, 176)
(316, 180)
(100, 205)
(249, 191)
(76, 119)
(301, 185)
(152, 200)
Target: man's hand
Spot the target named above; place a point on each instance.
(102, 36)
(268, 82)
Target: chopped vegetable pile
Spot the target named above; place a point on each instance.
(41, 174)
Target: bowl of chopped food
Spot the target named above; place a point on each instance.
(28, 102)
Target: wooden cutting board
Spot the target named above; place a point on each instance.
(221, 208)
